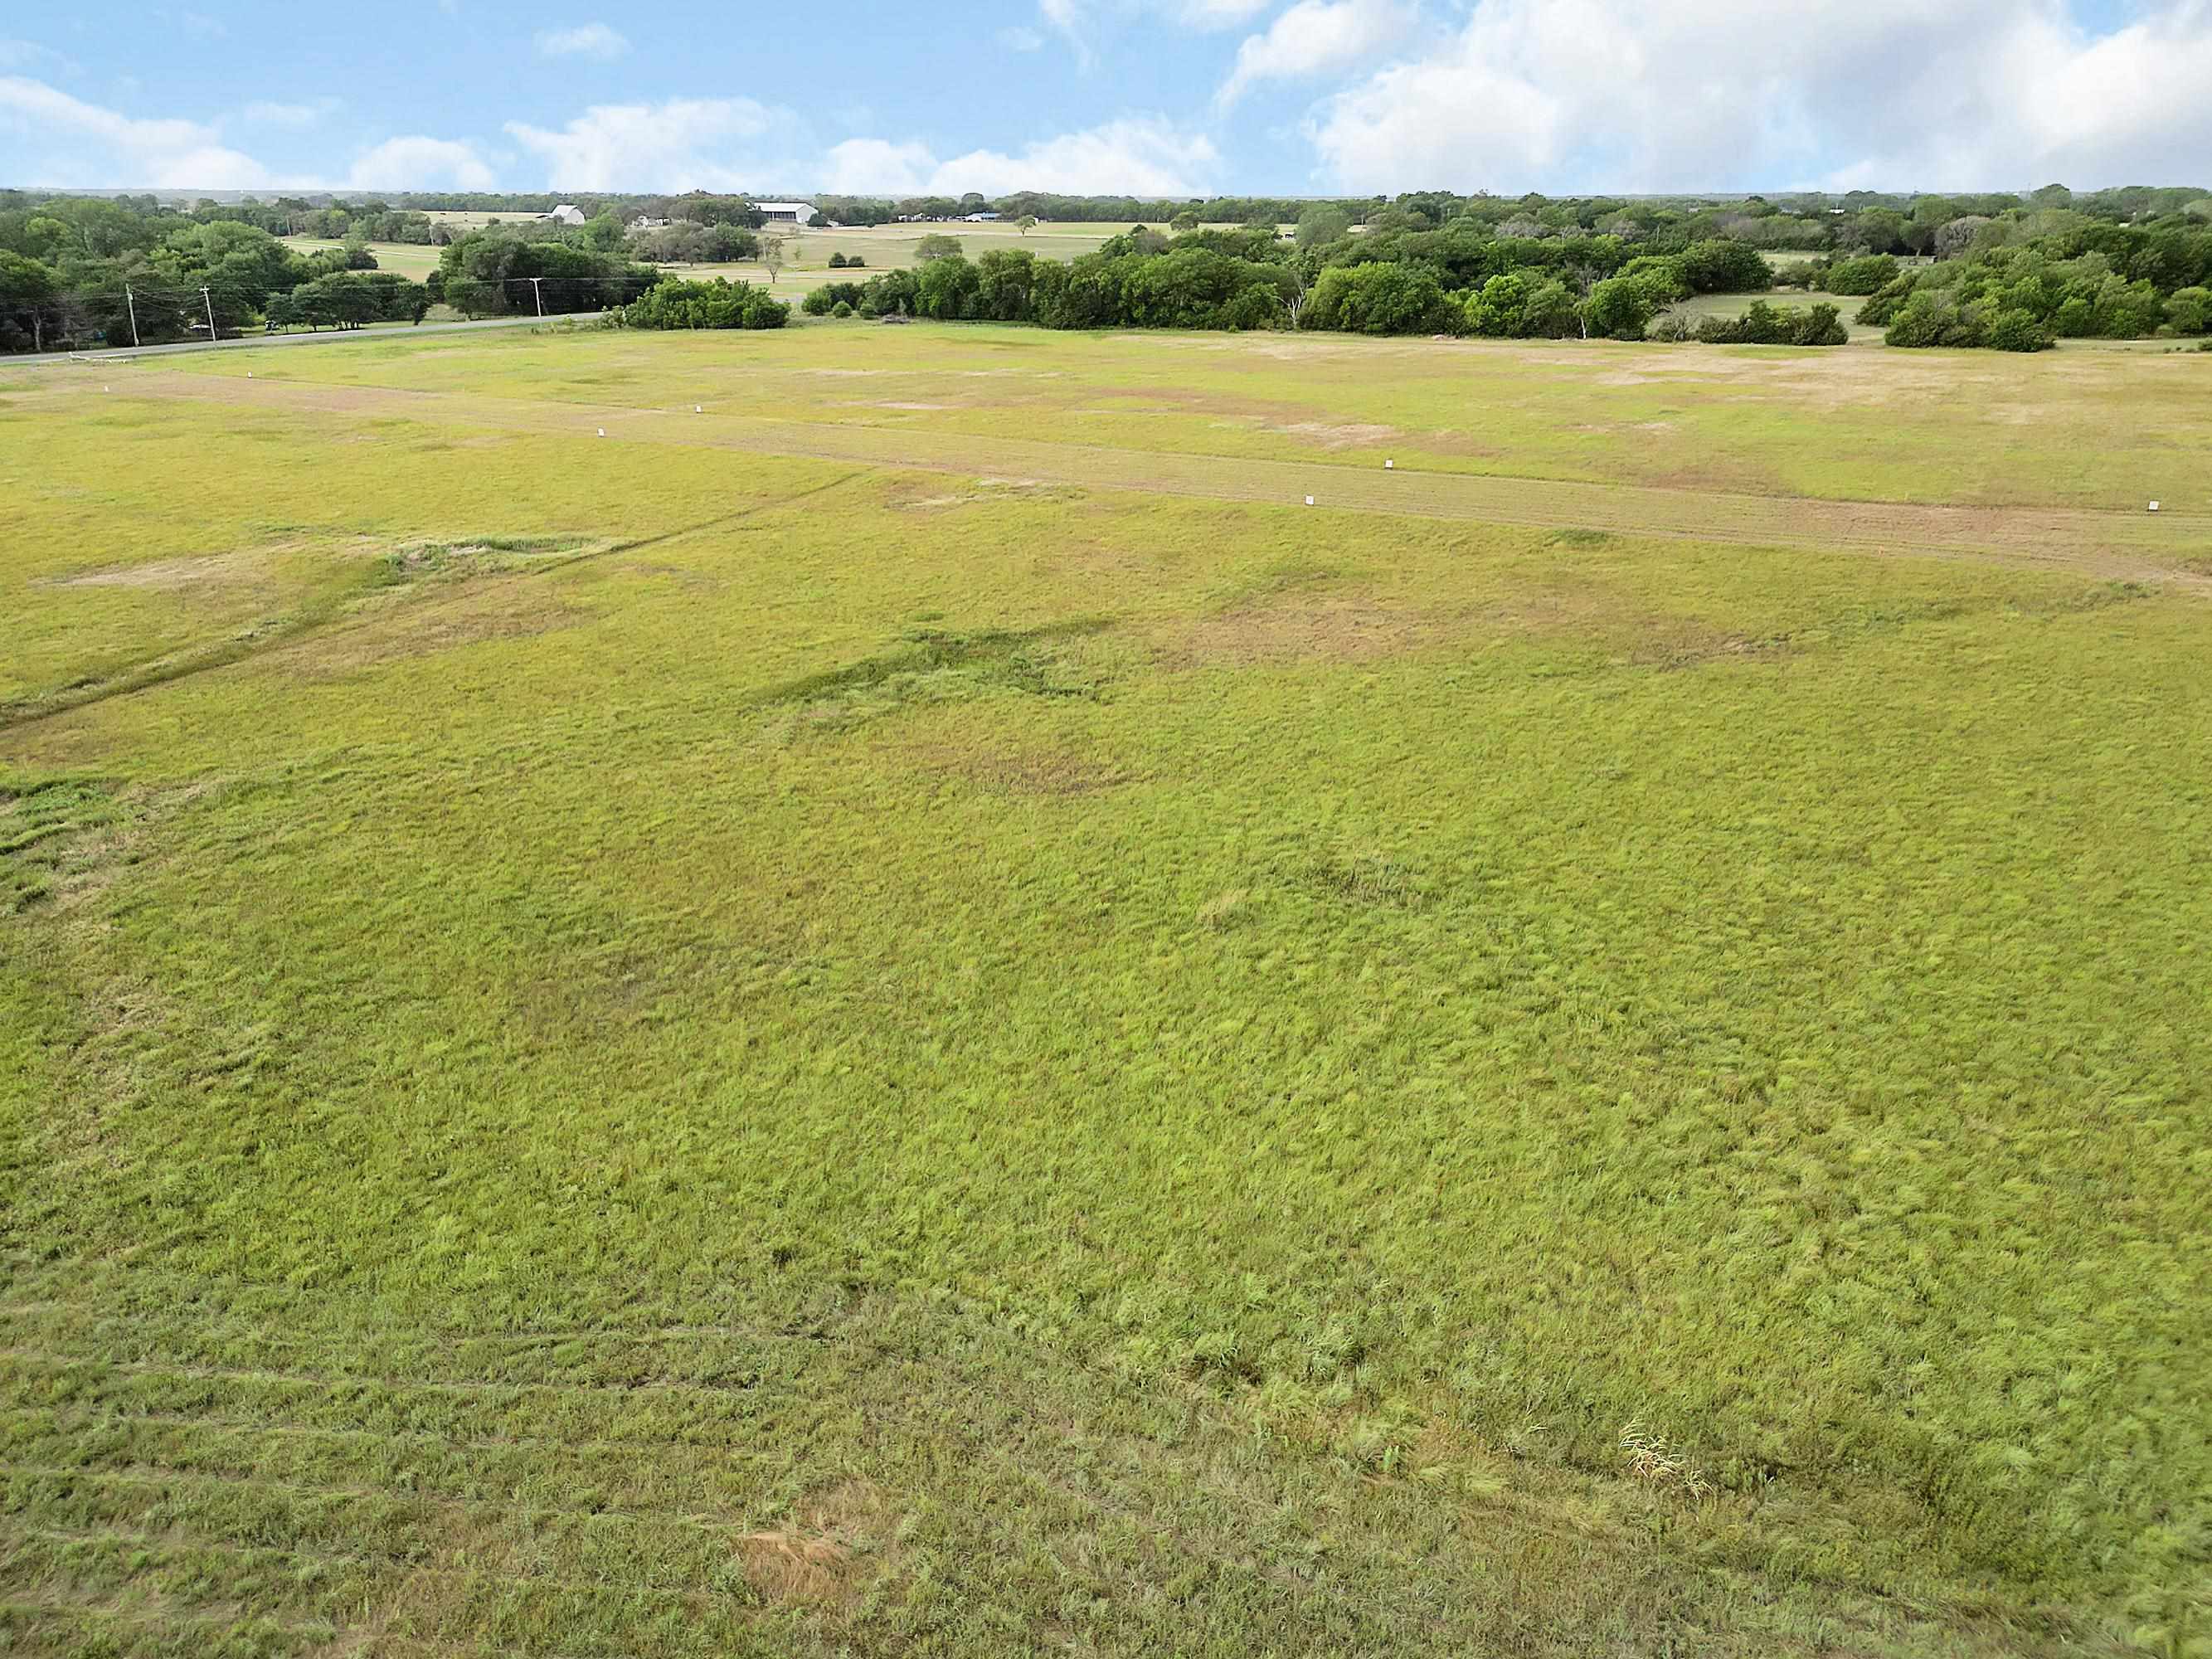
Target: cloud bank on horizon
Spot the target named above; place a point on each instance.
(1154, 97)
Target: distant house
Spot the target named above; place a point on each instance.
(646, 221)
(566, 214)
(784, 213)
(980, 219)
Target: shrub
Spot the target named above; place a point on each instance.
(2018, 331)
(2190, 311)
(1766, 324)
(1929, 319)
(836, 262)
(1861, 276)
(1723, 266)
(843, 308)
(826, 299)
(719, 304)
(1882, 308)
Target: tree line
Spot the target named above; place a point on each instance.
(1459, 281)
(88, 271)
(2015, 271)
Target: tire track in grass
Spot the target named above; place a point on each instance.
(336, 618)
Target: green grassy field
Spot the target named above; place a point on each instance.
(806, 267)
(414, 259)
(891, 247)
(915, 1014)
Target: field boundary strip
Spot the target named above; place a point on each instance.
(2120, 545)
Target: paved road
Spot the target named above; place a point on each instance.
(327, 336)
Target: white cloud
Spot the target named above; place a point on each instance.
(1142, 156)
(683, 143)
(60, 140)
(1567, 94)
(877, 166)
(263, 113)
(1312, 36)
(1021, 38)
(1219, 14)
(585, 41)
(416, 162)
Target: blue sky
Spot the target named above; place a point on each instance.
(1168, 97)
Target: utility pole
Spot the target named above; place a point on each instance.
(131, 301)
(212, 335)
(538, 288)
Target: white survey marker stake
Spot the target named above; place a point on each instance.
(603, 432)
(1309, 500)
(1390, 467)
(696, 410)
(2154, 507)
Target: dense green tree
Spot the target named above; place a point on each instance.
(672, 304)
(28, 288)
(1620, 307)
(1520, 305)
(1722, 266)
(2190, 311)
(946, 289)
(492, 273)
(1322, 224)
(1379, 299)
(1863, 276)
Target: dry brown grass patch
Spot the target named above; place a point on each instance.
(509, 611)
(827, 1552)
(1343, 435)
(1605, 621)
(1338, 628)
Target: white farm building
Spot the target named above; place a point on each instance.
(566, 214)
(784, 213)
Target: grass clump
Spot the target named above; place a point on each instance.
(933, 665)
(43, 821)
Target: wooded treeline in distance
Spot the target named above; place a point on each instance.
(2009, 272)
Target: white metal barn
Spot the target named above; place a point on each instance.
(784, 213)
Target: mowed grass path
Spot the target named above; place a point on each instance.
(623, 1049)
